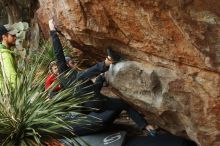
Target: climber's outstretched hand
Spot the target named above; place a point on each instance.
(52, 25)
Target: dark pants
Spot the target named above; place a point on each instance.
(109, 110)
(118, 106)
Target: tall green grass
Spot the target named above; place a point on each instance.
(28, 116)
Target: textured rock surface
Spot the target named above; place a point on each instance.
(181, 100)
(176, 48)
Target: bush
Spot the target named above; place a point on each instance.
(28, 116)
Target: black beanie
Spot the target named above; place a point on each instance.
(3, 30)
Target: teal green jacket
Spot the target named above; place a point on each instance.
(8, 68)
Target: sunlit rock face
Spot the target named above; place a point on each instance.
(174, 46)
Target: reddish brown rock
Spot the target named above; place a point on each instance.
(178, 41)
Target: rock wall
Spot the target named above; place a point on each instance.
(174, 46)
(16, 11)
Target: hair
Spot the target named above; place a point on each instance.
(1, 37)
(53, 63)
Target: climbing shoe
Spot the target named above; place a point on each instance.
(152, 133)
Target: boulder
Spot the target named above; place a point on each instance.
(180, 100)
(174, 51)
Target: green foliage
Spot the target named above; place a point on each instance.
(27, 115)
(45, 53)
